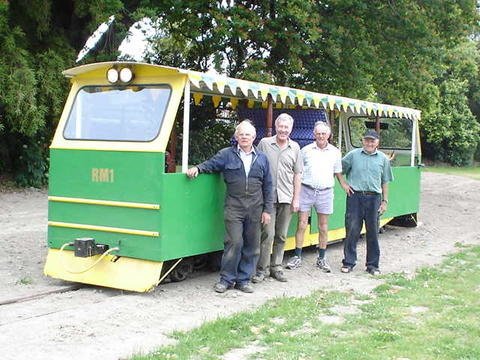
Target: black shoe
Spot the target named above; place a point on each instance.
(373, 271)
(246, 288)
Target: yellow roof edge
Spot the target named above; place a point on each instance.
(82, 69)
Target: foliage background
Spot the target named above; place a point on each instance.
(415, 53)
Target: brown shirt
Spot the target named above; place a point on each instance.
(284, 163)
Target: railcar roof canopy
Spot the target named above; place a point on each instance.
(219, 86)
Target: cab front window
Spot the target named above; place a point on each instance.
(111, 113)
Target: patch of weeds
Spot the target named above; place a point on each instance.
(26, 280)
(363, 297)
(383, 289)
(398, 279)
(385, 335)
(428, 277)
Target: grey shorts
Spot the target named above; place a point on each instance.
(321, 199)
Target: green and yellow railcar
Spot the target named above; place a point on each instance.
(116, 216)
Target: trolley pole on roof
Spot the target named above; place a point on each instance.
(186, 125)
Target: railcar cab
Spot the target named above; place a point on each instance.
(108, 193)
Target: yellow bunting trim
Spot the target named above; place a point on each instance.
(264, 92)
(234, 103)
(243, 85)
(300, 97)
(197, 97)
(221, 85)
(283, 94)
(216, 100)
(331, 103)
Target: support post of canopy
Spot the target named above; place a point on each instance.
(340, 131)
(172, 149)
(331, 123)
(269, 119)
(414, 142)
(186, 126)
(377, 122)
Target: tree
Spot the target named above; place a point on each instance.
(415, 53)
(38, 40)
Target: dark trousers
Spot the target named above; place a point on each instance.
(362, 208)
(241, 246)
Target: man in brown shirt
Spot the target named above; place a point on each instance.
(285, 167)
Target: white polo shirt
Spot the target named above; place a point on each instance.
(320, 165)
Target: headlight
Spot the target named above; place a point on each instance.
(126, 75)
(112, 75)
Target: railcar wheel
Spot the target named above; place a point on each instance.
(409, 220)
(181, 272)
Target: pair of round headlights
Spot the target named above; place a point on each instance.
(125, 75)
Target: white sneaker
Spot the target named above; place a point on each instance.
(294, 262)
(322, 264)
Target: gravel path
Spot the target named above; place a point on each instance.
(102, 323)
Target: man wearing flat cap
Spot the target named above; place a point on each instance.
(368, 173)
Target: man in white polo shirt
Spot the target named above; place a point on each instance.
(322, 162)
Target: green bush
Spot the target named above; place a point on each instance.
(452, 132)
(31, 165)
(204, 143)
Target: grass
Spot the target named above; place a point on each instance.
(470, 171)
(432, 316)
(26, 280)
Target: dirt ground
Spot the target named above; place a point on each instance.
(102, 323)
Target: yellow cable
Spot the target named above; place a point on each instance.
(91, 266)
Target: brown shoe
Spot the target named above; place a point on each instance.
(279, 275)
(220, 288)
(258, 278)
(246, 288)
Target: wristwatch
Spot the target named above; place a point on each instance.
(385, 201)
